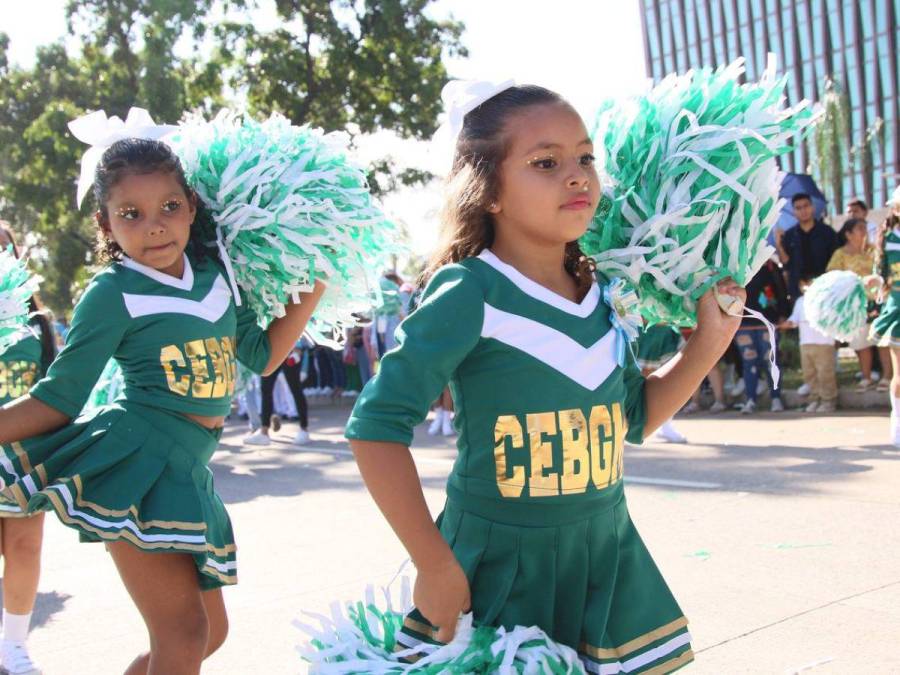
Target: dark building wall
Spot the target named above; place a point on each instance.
(854, 43)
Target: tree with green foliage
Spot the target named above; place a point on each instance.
(332, 63)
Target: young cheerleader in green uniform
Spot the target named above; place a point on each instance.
(21, 535)
(535, 531)
(134, 474)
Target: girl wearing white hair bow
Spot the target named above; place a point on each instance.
(134, 474)
(535, 532)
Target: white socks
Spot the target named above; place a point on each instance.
(15, 626)
(442, 423)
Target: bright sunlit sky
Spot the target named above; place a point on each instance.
(587, 50)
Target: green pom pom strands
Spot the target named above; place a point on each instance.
(289, 207)
(362, 638)
(17, 285)
(835, 304)
(692, 185)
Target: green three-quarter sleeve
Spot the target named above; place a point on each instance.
(635, 402)
(253, 348)
(432, 342)
(99, 323)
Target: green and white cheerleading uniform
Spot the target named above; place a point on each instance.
(21, 365)
(536, 513)
(657, 345)
(136, 470)
(886, 328)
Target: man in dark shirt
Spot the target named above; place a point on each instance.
(806, 248)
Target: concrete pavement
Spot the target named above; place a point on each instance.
(780, 535)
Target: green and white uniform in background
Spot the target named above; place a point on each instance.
(136, 470)
(886, 328)
(657, 345)
(535, 513)
(21, 366)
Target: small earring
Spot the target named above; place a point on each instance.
(492, 206)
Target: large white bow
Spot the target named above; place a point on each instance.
(100, 132)
(460, 97)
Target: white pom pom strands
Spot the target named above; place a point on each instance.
(289, 207)
(692, 189)
(835, 304)
(16, 288)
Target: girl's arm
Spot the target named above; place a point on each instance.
(442, 590)
(26, 417)
(671, 386)
(283, 332)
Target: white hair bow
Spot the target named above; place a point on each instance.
(100, 132)
(460, 97)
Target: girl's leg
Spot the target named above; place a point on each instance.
(268, 399)
(184, 623)
(717, 383)
(865, 362)
(292, 375)
(744, 342)
(895, 395)
(22, 539)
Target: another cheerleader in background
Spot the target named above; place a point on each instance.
(134, 474)
(855, 254)
(294, 375)
(21, 535)
(886, 328)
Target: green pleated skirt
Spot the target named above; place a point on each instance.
(580, 572)
(885, 329)
(128, 472)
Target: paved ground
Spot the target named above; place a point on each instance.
(780, 535)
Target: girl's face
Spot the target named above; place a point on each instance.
(857, 236)
(548, 184)
(150, 217)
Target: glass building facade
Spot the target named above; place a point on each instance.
(853, 43)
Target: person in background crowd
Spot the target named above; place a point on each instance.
(857, 255)
(817, 357)
(765, 294)
(857, 208)
(805, 248)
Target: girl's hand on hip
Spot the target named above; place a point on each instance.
(441, 593)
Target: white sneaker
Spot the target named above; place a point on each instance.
(748, 408)
(691, 408)
(302, 437)
(718, 407)
(257, 438)
(435, 427)
(777, 405)
(812, 407)
(737, 388)
(895, 431)
(803, 389)
(668, 433)
(14, 659)
(826, 407)
(447, 427)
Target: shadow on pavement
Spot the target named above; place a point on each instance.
(45, 606)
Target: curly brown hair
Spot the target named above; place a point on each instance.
(467, 226)
(132, 156)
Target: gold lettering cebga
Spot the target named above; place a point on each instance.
(17, 378)
(201, 368)
(591, 450)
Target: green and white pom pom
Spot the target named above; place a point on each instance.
(289, 207)
(17, 285)
(362, 638)
(835, 304)
(109, 385)
(692, 189)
